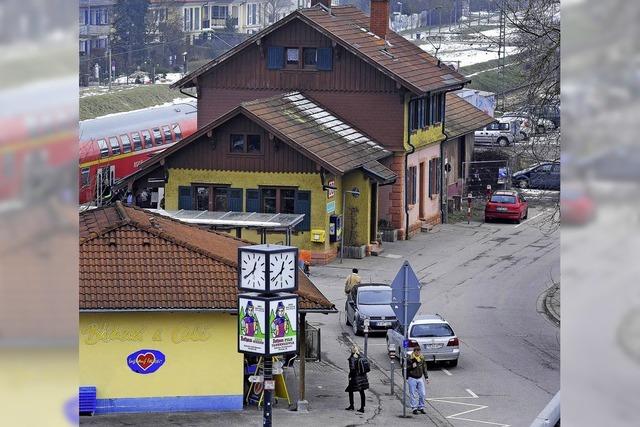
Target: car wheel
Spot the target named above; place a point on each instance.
(503, 142)
(354, 326)
(523, 183)
(453, 363)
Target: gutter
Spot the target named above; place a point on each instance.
(192, 310)
(443, 206)
(406, 178)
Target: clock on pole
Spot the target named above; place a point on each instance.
(268, 268)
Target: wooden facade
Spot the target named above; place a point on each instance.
(353, 89)
(214, 153)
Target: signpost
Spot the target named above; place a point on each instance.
(405, 302)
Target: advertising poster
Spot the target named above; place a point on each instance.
(251, 327)
(283, 315)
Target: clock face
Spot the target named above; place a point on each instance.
(252, 271)
(282, 270)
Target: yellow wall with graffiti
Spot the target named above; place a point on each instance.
(200, 351)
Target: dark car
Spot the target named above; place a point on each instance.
(506, 204)
(372, 301)
(543, 176)
(546, 112)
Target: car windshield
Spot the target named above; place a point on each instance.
(375, 297)
(503, 198)
(431, 330)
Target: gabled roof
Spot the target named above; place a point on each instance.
(462, 117)
(131, 259)
(307, 127)
(348, 26)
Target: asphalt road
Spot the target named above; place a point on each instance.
(486, 280)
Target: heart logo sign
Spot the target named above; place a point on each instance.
(145, 361)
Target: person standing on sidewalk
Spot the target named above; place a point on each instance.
(416, 370)
(358, 380)
(352, 280)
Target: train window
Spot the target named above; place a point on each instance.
(167, 134)
(104, 150)
(137, 142)
(126, 143)
(147, 139)
(84, 177)
(157, 136)
(115, 145)
(177, 132)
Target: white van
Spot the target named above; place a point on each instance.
(502, 132)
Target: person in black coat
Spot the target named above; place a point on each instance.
(358, 380)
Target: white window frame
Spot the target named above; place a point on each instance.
(256, 20)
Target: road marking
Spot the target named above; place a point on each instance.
(446, 372)
(526, 221)
(474, 408)
(475, 396)
(392, 256)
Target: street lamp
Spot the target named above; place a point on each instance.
(355, 193)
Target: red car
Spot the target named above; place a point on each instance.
(577, 207)
(506, 204)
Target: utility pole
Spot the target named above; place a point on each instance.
(110, 63)
(501, 58)
(404, 342)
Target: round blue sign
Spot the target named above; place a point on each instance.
(145, 361)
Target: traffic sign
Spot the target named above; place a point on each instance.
(412, 292)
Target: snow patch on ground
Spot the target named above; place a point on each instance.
(176, 101)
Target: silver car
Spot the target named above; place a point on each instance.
(432, 333)
(370, 301)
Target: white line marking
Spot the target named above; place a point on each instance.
(446, 372)
(392, 256)
(475, 396)
(475, 407)
(526, 221)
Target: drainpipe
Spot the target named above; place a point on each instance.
(443, 201)
(406, 177)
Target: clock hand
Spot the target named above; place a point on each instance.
(252, 271)
(281, 270)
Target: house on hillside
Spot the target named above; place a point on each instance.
(158, 313)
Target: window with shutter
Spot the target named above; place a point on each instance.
(184, 197)
(234, 197)
(324, 59)
(303, 206)
(253, 201)
(275, 58)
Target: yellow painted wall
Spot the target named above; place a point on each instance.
(420, 138)
(200, 351)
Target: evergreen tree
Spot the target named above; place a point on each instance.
(130, 33)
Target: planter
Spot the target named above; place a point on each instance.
(389, 235)
(357, 252)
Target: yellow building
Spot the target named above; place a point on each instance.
(158, 325)
(285, 154)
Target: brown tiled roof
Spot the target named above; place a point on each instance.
(131, 259)
(462, 117)
(318, 133)
(307, 127)
(396, 57)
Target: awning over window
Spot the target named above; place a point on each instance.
(235, 219)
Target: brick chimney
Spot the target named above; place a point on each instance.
(379, 18)
(326, 3)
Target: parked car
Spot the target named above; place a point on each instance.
(577, 207)
(543, 176)
(506, 204)
(373, 301)
(546, 112)
(503, 133)
(432, 333)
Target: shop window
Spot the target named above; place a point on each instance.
(126, 143)
(147, 139)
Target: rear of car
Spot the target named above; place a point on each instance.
(436, 339)
(505, 205)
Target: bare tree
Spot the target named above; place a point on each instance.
(274, 8)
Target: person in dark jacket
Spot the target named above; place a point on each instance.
(416, 376)
(358, 380)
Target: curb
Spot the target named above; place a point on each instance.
(551, 312)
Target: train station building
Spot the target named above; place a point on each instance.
(158, 315)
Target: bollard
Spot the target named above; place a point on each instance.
(393, 368)
(469, 200)
(366, 334)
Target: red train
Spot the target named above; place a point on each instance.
(113, 146)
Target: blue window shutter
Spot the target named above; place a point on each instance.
(184, 198)
(253, 201)
(275, 58)
(325, 59)
(303, 206)
(234, 196)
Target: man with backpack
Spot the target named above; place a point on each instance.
(416, 370)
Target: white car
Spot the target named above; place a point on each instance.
(502, 132)
(432, 333)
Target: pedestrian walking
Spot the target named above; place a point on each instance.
(352, 280)
(416, 376)
(358, 380)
